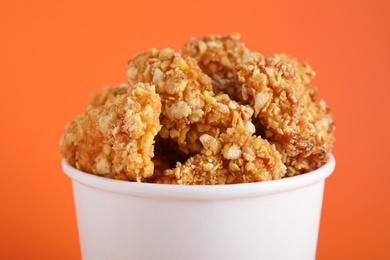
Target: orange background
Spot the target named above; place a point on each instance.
(53, 54)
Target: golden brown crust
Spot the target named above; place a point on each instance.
(235, 157)
(280, 92)
(222, 115)
(179, 82)
(108, 94)
(218, 56)
(219, 114)
(114, 137)
(189, 106)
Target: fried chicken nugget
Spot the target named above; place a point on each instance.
(235, 157)
(218, 56)
(161, 160)
(189, 106)
(114, 137)
(220, 113)
(300, 126)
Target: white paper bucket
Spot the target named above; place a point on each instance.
(266, 220)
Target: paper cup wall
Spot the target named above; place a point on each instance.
(267, 220)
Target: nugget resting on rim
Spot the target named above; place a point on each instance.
(300, 126)
(166, 153)
(189, 106)
(235, 157)
(114, 137)
(218, 56)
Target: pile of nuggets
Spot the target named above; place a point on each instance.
(213, 113)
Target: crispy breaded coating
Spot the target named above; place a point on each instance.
(114, 137)
(108, 94)
(218, 56)
(300, 126)
(235, 157)
(179, 82)
(214, 113)
(189, 106)
(219, 114)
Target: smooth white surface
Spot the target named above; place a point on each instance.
(267, 220)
